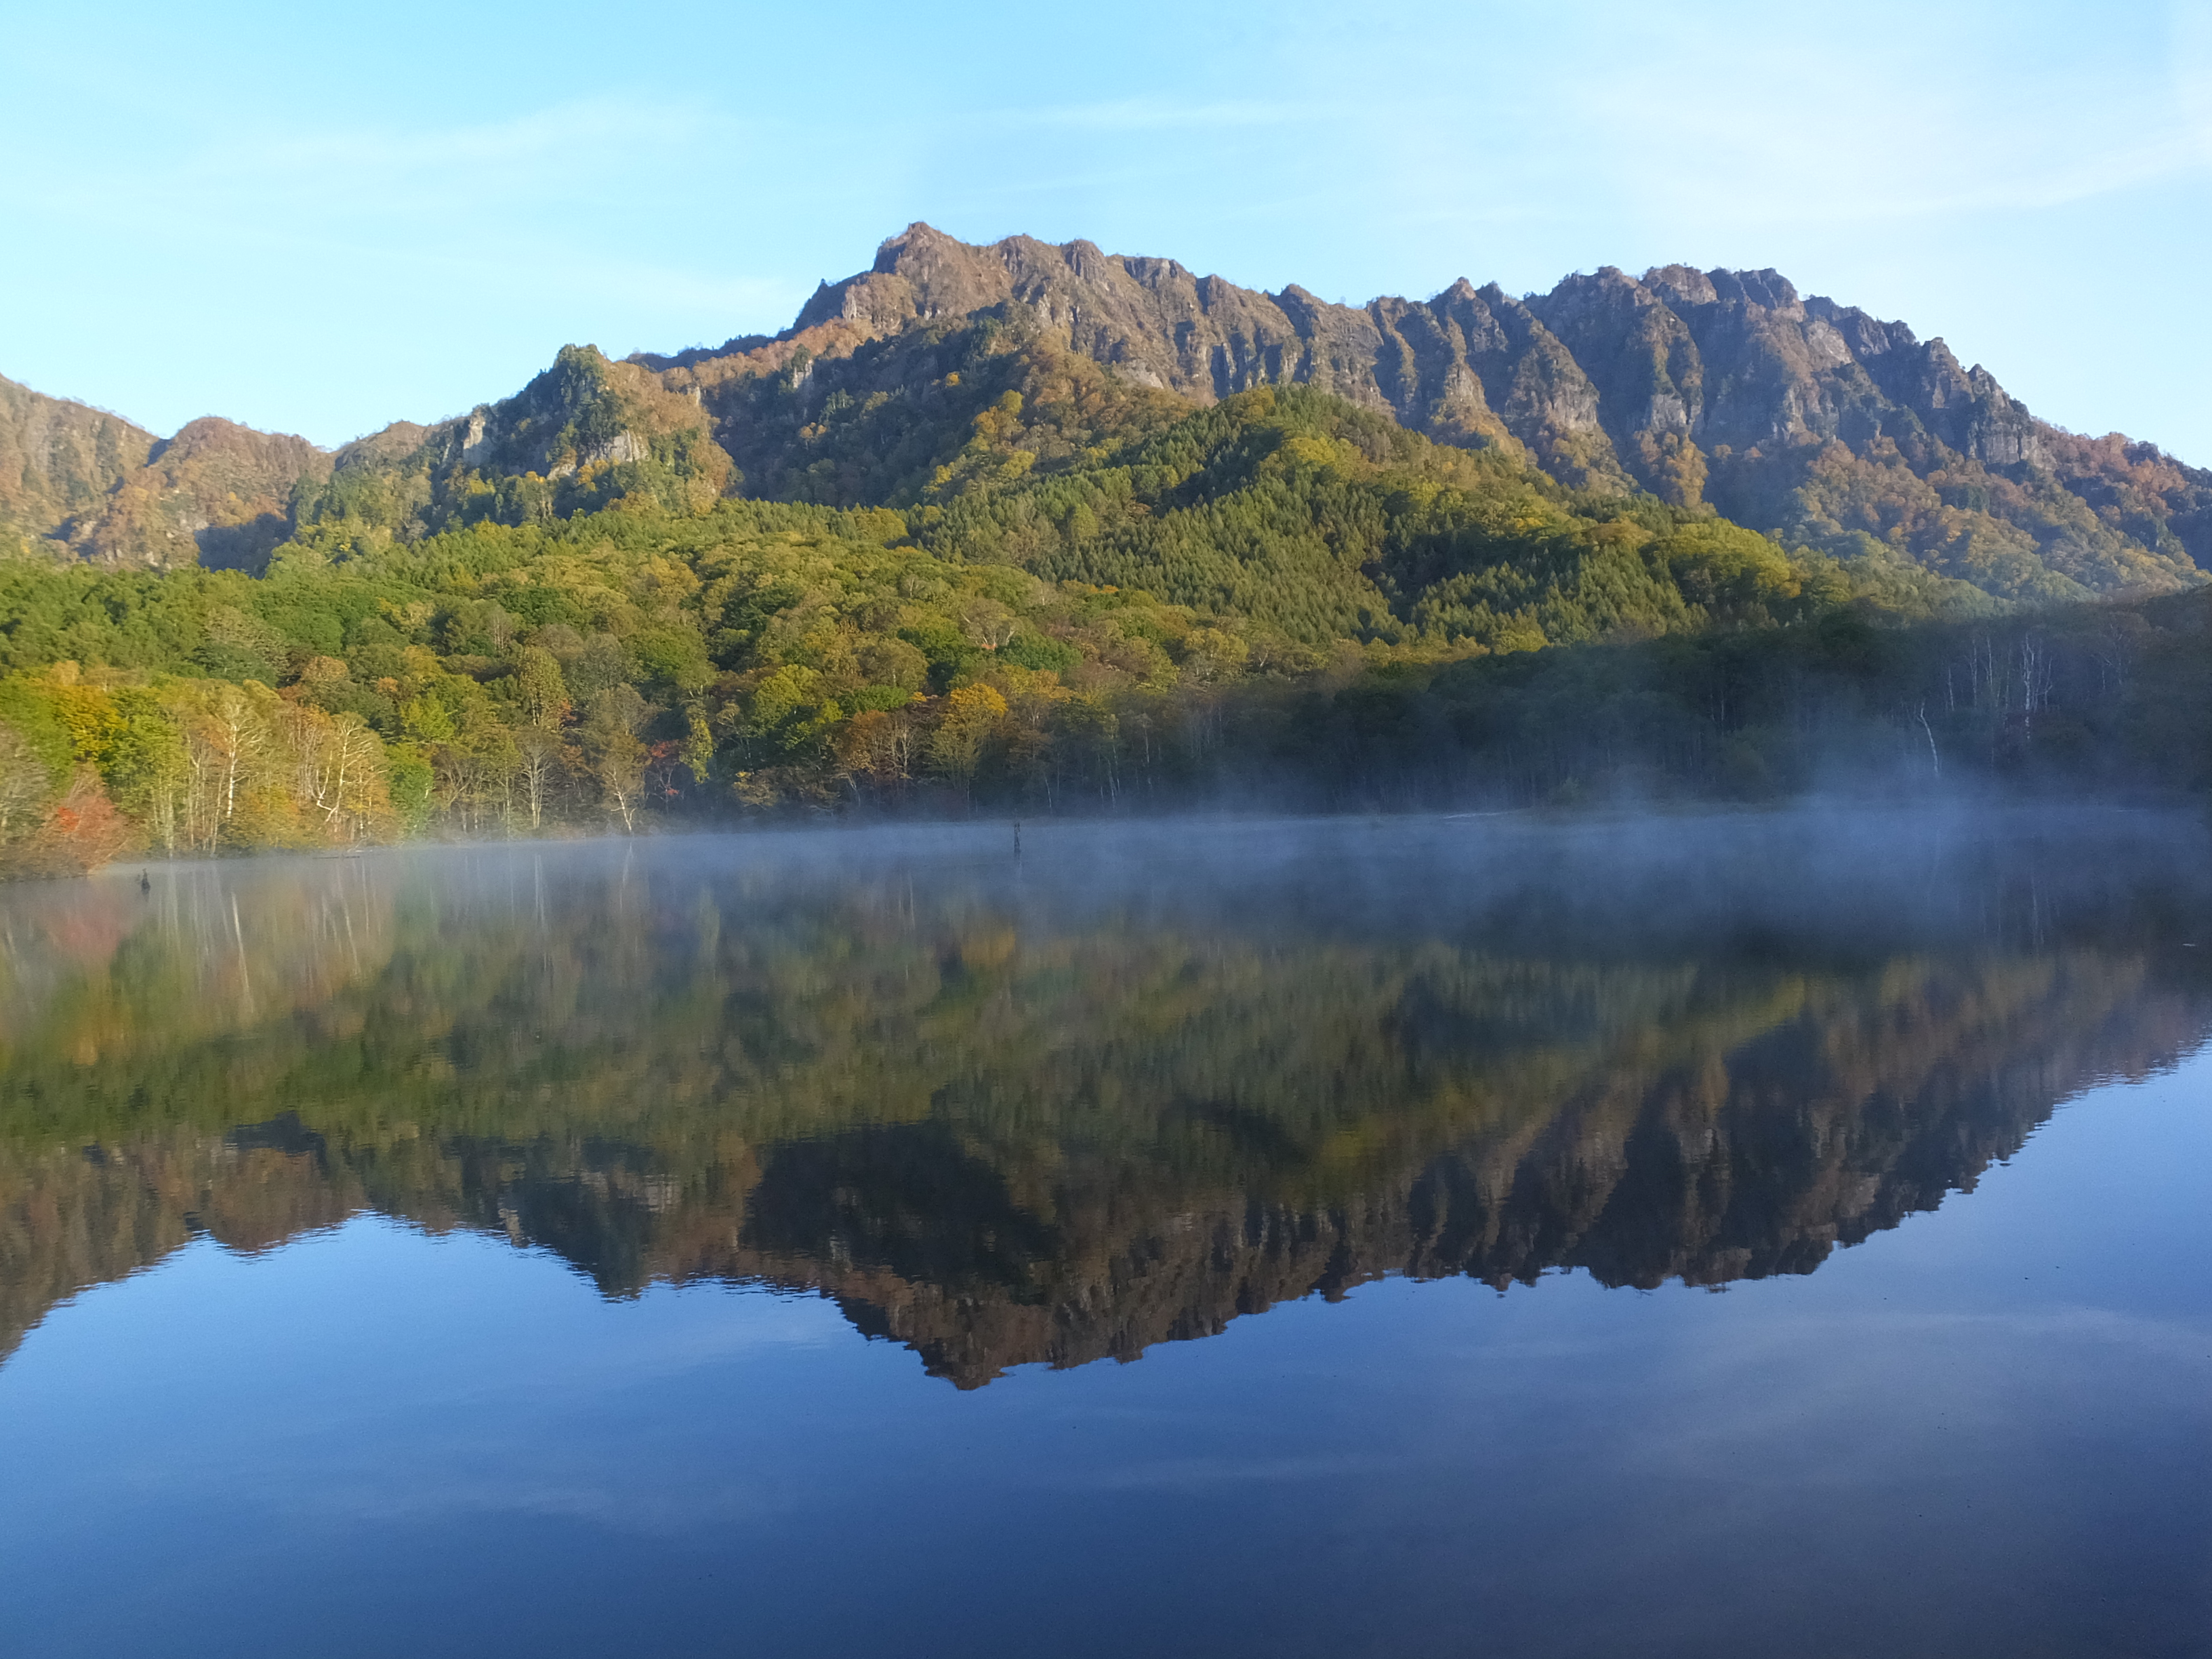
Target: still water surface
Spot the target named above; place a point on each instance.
(1735, 1236)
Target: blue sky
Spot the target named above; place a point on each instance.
(321, 219)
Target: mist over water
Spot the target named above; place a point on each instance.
(1373, 1137)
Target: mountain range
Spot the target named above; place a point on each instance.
(1720, 390)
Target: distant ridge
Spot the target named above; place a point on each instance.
(93, 485)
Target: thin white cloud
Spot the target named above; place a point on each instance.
(1777, 132)
(1720, 118)
(1150, 114)
(315, 178)
(461, 205)
(566, 136)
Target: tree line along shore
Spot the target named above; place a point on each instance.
(1280, 600)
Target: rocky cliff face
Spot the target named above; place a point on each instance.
(582, 433)
(583, 412)
(1799, 416)
(1468, 365)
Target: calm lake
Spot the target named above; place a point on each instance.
(1740, 1235)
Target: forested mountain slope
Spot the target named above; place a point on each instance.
(92, 484)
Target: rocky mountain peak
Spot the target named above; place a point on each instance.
(1682, 285)
(1797, 414)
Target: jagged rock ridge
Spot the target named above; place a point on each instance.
(1797, 416)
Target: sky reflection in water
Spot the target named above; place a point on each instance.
(338, 1146)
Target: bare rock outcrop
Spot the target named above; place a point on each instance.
(1796, 415)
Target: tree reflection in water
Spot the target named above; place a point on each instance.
(1114, 1090)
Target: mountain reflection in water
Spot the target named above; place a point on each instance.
(1115, 1090)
